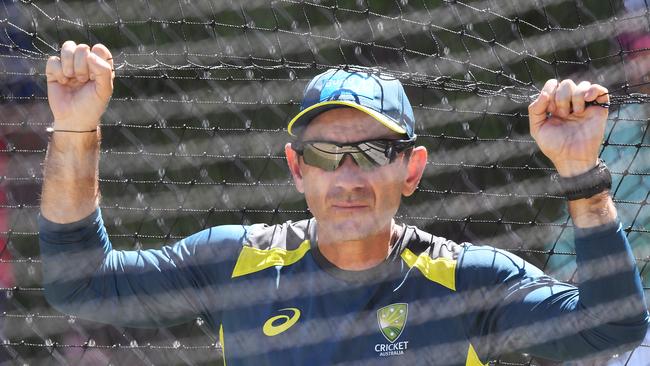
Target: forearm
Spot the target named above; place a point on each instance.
(610, 286)
(70, 184)
(611, 293)
(85, 277)
(554, 320)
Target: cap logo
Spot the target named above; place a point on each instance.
(334, 87)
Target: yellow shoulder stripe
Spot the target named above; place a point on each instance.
(472, 358)
(439, 270)
(223, 348)
(252, 260)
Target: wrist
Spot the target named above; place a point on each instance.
(594, 181)
(567, 169)
(74, 125)
(77, 143)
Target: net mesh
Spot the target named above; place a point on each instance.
(194, 133)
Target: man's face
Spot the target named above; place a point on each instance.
(349, 202)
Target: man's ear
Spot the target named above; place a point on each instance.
(293, 160)
(414, 170)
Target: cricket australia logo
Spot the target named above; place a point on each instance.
(391, 320)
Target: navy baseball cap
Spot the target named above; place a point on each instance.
(379, 95)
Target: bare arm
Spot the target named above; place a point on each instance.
(80, 84)
(70, 188)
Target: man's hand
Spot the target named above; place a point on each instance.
(568, 132)
(79, 85)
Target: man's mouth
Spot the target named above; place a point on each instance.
(349, 205)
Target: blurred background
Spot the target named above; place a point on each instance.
(194, 134)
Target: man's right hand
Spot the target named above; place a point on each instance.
(79, 85)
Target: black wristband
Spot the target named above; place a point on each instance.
(585, 185)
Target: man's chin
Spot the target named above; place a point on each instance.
(348, 230)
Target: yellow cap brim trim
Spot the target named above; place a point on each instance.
(390, 124)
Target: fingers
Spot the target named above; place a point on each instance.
(80, 63)
(71, 65)
(545, 103)
(597, 93)
(61, 68)
(54, 71)
(100, 63)
(565, 100)
(578, 97)
(67, 58)
(103, 52)
(76, 62)
(564, 97)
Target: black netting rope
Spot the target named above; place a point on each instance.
(474, 65)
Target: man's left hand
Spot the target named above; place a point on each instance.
(567, 131)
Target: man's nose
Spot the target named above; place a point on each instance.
(348, 161)
(349, 174)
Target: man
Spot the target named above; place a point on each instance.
(350, 286)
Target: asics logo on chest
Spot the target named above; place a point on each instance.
(280, 323)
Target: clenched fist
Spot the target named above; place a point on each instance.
(79, 85)
(568, 130)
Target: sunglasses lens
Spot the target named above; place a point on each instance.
(322, 156)
(372, 154)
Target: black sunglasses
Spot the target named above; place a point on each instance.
(367, 154)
